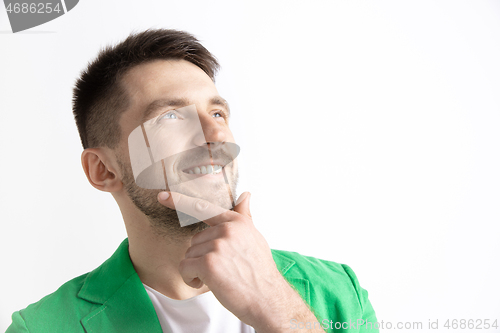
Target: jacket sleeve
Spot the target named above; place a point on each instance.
(369, 318)
(18, 325)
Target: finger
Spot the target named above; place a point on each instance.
(195, 283)
(243, 204)
(227, 216)
(199, 250)
(198, 208)
(189, 269)
(209, 234)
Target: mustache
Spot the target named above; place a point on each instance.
(220, 152)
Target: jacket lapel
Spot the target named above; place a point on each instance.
(123, 304)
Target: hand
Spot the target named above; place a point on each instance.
(235, 262)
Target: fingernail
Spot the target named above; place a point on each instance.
(163, 196)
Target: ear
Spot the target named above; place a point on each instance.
(100, 170)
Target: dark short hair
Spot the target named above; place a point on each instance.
(99, 98)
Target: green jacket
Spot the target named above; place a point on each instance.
(112, 298)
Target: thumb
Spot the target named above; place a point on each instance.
(243, 204)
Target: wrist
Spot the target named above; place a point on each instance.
(282, 309)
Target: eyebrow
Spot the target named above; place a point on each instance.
(217, 100)
(154, 106)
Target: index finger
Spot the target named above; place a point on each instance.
(198, 208)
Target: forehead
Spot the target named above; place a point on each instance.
(166, 79)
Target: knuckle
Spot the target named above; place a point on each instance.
(176, 199)
(226, 214)
(201, 205)
(209, 261)
(188, 252)
(195, 238)
(226, 229)
(182, 265)
(217, 245)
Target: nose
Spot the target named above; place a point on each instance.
(212, 131)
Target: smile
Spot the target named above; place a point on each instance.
(205, 170)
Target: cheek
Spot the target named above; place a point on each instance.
(229, 135)
(124, 155)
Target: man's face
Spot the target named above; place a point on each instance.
(157, 91)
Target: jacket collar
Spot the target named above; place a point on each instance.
(122, 303)
(105, 280)
(125, 305)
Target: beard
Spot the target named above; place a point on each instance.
(164, 221)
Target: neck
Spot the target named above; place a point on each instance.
(156, 258)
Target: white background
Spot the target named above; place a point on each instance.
(369, 135)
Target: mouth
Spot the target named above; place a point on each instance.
(210, 169)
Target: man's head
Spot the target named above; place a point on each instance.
(146, 76)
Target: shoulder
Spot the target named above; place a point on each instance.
(51, 311)
(63, 296)
(330, 286)
(63, 310)
(311, 267)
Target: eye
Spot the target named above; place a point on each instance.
(219, 114)
(169, 115)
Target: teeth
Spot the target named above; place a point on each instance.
(206, 169)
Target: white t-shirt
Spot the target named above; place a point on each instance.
(199, 314)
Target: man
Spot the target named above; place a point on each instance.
(218, 275)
